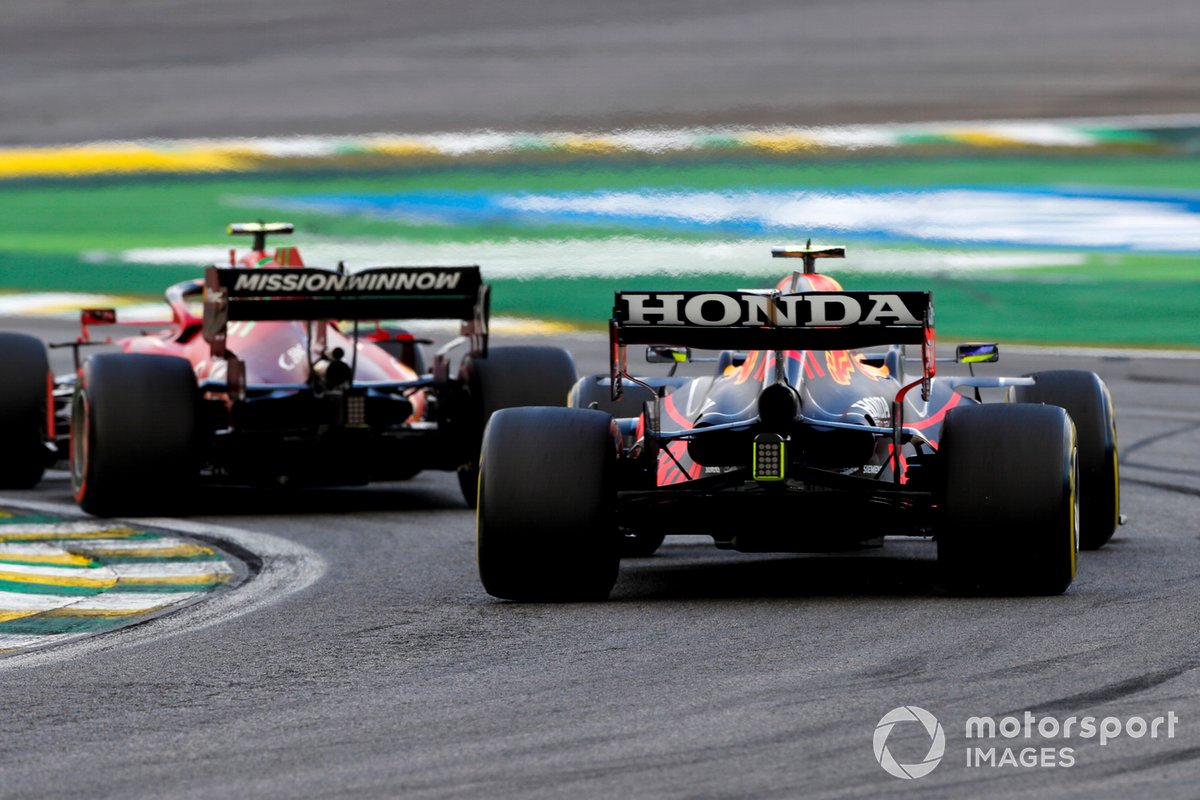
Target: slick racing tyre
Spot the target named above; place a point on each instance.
(1008, 499)
(406, 351)
(640, 544)
(134, 434)
(595, 392)
(509, 377)
(25, 384)
(546, 527)
(1086, 398)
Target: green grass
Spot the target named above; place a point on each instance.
(118, 213)
(1128, 268)
(1121, 313)
(47, 227)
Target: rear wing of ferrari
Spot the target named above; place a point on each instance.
(237, 294)
(771, 320)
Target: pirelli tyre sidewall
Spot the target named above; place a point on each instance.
(546, 527)
(1008, 503)
(407, 352)
(25, 388)
(134, 434)
(1087, 399)
(640, 544)
(508, 377)
(595, 392)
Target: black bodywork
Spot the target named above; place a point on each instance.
(834, 409)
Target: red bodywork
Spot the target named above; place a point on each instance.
(272, 352)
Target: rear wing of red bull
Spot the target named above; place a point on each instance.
(234, 294)
(771, 320)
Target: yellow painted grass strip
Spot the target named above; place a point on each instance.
(58, 580)
(59, 572)
(401, 147)
(782, 143)
(984, 139)
(71, 611)
(589, 144)
(108, 613)
(99, 159)
(175, 551)
(530, 327)
(53, 559)
(67, 534)
(167, 580)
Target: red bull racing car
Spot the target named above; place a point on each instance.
(815, 433)
(270, 372)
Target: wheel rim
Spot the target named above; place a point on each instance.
(81, 434)
(1116, 474)
(1074, 510)
(479, 514)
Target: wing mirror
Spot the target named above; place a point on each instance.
(666, 354)
(977, 353)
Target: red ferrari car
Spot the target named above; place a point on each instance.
(270, 372)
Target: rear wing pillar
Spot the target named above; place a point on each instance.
(810, 255)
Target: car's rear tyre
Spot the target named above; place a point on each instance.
(134, 434)
(640, 544)
(509, 377)
(1086, 398)
(407, 352)
(25, 384)
(1008, 499)
(546, 528)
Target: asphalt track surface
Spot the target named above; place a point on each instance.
(76, 70)
(708, 674)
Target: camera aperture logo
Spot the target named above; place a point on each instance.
(937, 742)
(1014, 740)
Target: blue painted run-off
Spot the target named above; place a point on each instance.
(949, 215)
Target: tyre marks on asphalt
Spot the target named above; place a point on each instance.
(63, 579)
